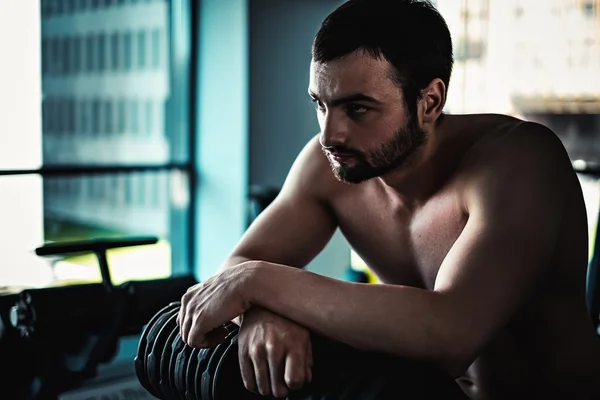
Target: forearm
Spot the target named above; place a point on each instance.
(232, 261)
(394, 319)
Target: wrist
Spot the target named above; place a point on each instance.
(252, 282)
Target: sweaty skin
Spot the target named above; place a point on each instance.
(440, 221)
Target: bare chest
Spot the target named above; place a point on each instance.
(403, 246)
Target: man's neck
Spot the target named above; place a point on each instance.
(430, 166)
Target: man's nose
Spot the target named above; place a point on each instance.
(333, 132)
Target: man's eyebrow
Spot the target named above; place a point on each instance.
(349, 99)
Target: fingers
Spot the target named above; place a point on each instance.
(247, 370)
(182, 319)
(276, 361)
(295, 370)
(186, 328)
(181, 315)
(261, 373)
(183, 306)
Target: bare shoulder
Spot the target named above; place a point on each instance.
(511, 147)
(311, 174)
(516, 159)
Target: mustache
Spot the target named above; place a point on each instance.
(342, 151)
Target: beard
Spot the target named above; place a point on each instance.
(394, 154)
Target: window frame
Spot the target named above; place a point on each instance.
(182, 70)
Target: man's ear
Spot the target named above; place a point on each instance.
(432, 101)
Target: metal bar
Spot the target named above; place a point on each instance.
(65, 169)
(93, 245)
(104, 270)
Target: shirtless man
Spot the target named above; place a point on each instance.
(475, 224)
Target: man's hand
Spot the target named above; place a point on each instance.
(275, 353)
(208, 306)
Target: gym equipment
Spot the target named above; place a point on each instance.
(171, 370)
(56, 337)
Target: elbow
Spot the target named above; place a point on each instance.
(460, 340)
(457, 353)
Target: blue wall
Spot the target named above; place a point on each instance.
(254, 115)
(282, 117)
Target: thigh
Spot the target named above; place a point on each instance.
(343, 373)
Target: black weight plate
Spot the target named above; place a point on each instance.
(157, 326)
(181, 370)
(140, 358)
(203, 357)
(212, 363)
(158, 344)
(227, 381)
(165, 363)
(177, 347)
(208, 375)
(154, 329)
(190, 374)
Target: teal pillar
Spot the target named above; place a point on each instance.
(222, 132)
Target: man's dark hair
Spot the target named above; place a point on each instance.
(410, 34)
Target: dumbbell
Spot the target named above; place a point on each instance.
(171, 370)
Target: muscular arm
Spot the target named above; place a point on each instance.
(298, 224)
(514, 201)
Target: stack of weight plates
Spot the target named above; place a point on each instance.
(171, 370)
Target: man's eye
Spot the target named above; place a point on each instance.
(318, 105)
(356, 109)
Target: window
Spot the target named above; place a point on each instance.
(128, 56)
(96, 117)
(101, 52)
(89, 52)
(84, 119)
(76, 47)
(149, 114)
(72, 163)
(108, 117)
(134, 114)
(115, 51)
(70, 116)
(141, 46)
(58, 7)
(121, 116)
(156, 48)
(66, 56)
(55, 55)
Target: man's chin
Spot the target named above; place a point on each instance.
(350, 177)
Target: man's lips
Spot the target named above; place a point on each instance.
(341, 157)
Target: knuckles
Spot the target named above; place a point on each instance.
(274, 348)
(256, 350)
